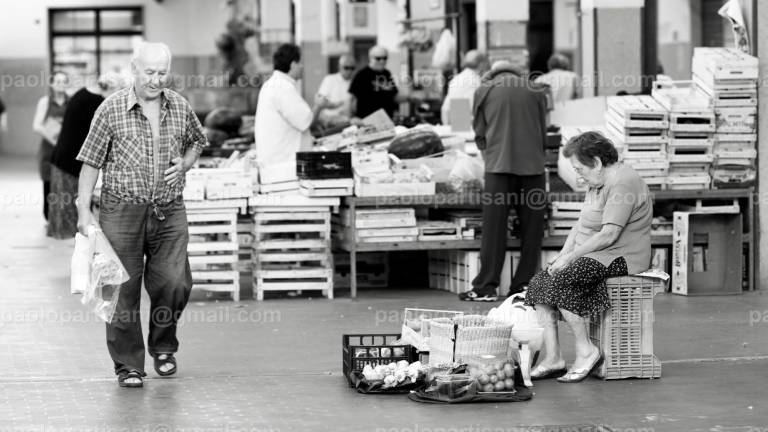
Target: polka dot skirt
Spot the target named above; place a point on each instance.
(579, 288)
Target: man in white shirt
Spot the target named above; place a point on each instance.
(283, 117)
(464, 84)
(563, 83)
(335, 88)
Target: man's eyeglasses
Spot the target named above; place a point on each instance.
(348, 68)
(380, 58)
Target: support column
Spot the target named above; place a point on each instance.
(761, 23)
(612, 44)
(309, 37)
(502, 30)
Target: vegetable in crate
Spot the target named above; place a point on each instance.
(224, 119)
(416, 143)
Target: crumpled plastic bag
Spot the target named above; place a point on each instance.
(527, 322)
(97, 273)
(445, 51)
(467, 173)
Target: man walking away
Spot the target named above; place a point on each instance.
(510, 128)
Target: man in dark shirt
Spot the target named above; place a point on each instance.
(510, 130)
(373, 87)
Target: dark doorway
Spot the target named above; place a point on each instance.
(540, 34)
(468, 26)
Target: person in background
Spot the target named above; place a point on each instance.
(464, 84)
(335, 88)
(145, 138)
(510, 130)
(65, 168)
(47, 124)
(562, 82)
(611, 238)
(3, 117)
(283, 118)
(374, 88)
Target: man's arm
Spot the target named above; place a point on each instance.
(87, 182)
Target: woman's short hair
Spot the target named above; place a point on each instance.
(285, 55)
(558, 61)
(589, 145)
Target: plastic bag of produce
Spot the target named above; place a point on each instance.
(467, 173)
(459, 386)
(527, 322)
(105, 273)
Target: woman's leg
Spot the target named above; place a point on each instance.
(553, 358)
(586, 351)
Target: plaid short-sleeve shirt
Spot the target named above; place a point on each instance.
(120, 143)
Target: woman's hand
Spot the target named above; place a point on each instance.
(562, 261)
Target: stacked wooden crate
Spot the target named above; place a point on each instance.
(639, 126)
(372, 270)
(691, 134)
(729, 77)
(292, 249)
(563, 217)
(383, 225)
(213, 251)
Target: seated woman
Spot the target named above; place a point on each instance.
(611, 238)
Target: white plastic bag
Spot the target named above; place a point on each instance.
(467, 172)
(80, 266)
(445, 51)
(98, 273)
(527, 322)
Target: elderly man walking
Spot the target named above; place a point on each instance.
(144, 139)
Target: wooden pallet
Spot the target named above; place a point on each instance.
(292, 252)
(692, 122)
(306, 279)
(636, 112)
(566, 210)
(213, 251)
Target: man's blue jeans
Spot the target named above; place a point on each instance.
(135, 232)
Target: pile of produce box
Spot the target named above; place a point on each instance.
(691, 131)
(638, 125)
(376, 175)
(729, 77)
(221, 183)
(383, 225)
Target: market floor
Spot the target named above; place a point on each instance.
(276, 365)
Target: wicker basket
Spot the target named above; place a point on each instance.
(467, 338)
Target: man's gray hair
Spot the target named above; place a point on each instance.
(143, 46)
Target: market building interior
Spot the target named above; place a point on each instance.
(378, 223)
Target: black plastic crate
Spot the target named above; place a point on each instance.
(361, 349)
(323, 165)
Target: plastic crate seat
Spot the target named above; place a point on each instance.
(624, 333)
